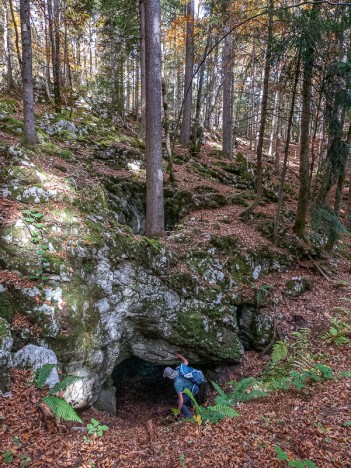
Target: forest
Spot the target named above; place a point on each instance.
(175, 190)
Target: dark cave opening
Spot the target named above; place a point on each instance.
(141, 390)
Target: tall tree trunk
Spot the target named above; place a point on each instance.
(54, 31)
(196, 134)
(228, 78)
(253, 107)
(7, 48)
(166, 129)
(154, 225)
(286, 150)
(341, 176)
(29, 136)
(142, 67)
(267, 69)
(274, 123)
(47, 54)
(308, 64)
(185, 129)
(277, 133)
(16, 34)
(348, 209)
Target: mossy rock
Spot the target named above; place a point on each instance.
(297, 286)
(11, 125)
(6, 307)
(5, 349)
(193, 327)
(224, 244)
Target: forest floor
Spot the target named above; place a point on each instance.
(313, 424)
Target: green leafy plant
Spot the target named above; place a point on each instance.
(182, 461)
(338, 332)
(211, 414)
(8, 456)
(25, 459)
(57, 405)
(287, 357)
(283, 456)
(261, 293)
(95, 428)
(244, 390)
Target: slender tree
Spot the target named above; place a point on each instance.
(228, 78)
(308, 57)
(29, 136)
(153, 74)
(264, 102)
(142, 65)
(185, 129)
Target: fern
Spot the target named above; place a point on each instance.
(61, 386)
(61, 409)
(225, 410)
(212, 414)
(219, 390)
(246, 390)
(43, 374)
(337, 331)
(280, 351)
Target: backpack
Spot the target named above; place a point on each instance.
(194, 375)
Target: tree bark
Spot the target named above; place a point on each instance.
(185, 130)
(142, 66)
(154, 226)
(9, 74)
(16, 34)
(348, 211)
(29, 136)
(286, 150)
(54, 31)
(303, 195)
(228, 77)
(267, 69)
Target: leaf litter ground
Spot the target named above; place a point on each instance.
(312, 424)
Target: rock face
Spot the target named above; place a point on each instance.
(6, 342)
(92, 294)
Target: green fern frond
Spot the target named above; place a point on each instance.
(43, 374)
(219, 390)
(280, 351)
(61, 409)
(61, 386)
(225, 410)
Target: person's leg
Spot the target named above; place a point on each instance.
(185, 410)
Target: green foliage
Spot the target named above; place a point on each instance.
(287, 357)
(182, 461)
(95, 428)
(283, 456)
(280, 351)
(58, 406)
(43, 374)
(211, 414)
(25, 459)
(337, 332)
(66, 382)
(61, 409)
(326, 224)
(245, 390)
(8, 456)
(261, 294)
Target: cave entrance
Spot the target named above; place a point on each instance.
(142, 392)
